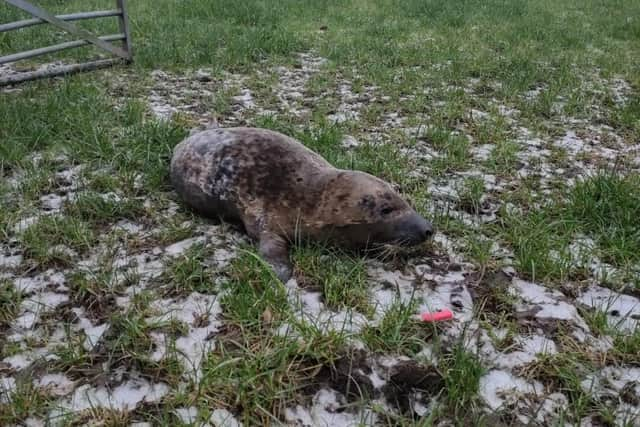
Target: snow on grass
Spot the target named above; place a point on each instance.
(502, 390)
(431, 288)
(623, 311)
(200, 313)
(326, 410)
(125, 396)
(544, 303)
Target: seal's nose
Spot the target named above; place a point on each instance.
(421, 228)
(428, 230)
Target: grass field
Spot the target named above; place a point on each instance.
(513, 125)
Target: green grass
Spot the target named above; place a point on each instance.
(454, 155)
(41, 239)
(462, 371)
(174, 229)
(95, 289)
(603, 207)
(398, 332)
(25, 401)
(72, 358)
(607, 207)
(625, 117)
(503, 158)
(565, 371)
(253, 372)
(99, 210)
(489, 130)
(79, 119)
(254, 293)
(38, 181)
(470, 194)
(627, 346)
(10, 299)
(341, 278)
(188, 272)
(128, 343)
(431, 62)
(259, 376)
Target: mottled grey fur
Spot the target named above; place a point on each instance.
(279, 190)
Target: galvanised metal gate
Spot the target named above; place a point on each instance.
(40, 16)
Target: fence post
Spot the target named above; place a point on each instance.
(123, 21)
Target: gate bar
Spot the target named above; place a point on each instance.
(43, 14)
(58, 71)
(55, 48)
(71, 17)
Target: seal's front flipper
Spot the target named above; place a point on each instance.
(275, 250)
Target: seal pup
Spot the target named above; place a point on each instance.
(279, 190)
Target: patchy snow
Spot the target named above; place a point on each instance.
(50, 279)
(482, 152)
(34, 422)
(623, 311)
(10, 261)
(93, 333)
(52, 202)
(25, 223)
(55, 384)
(182, 246)
(20, 361)
(308, 307)
(612, 378)
(613, 381)
(34, 306)
(350, 104)
(545, 303)
(7, 386)
(128, 226)
(187, 415)
(200, 313)
(349, 141)
(501, 389)
(571, 142)
(145, 265)
(245, 99)
(125, 396)
(327, 410)
(530, 348)
(583, 253)
(586, 147)
(223, 418)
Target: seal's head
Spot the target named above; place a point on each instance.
(367, 212)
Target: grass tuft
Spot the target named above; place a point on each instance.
(103, 209)
(604, 207)
(253, 290)
(23, 402)
(461, 371)
(398, 332)
(188, 273)
(607, 207)
(41, 240)
(10, 299)
(341, 278)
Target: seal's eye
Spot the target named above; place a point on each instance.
(386, 211)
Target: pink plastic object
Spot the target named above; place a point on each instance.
(437, 316)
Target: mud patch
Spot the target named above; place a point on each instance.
(407, 379)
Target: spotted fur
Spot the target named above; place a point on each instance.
(278, 190)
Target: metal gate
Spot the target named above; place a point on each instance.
(121, 53)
